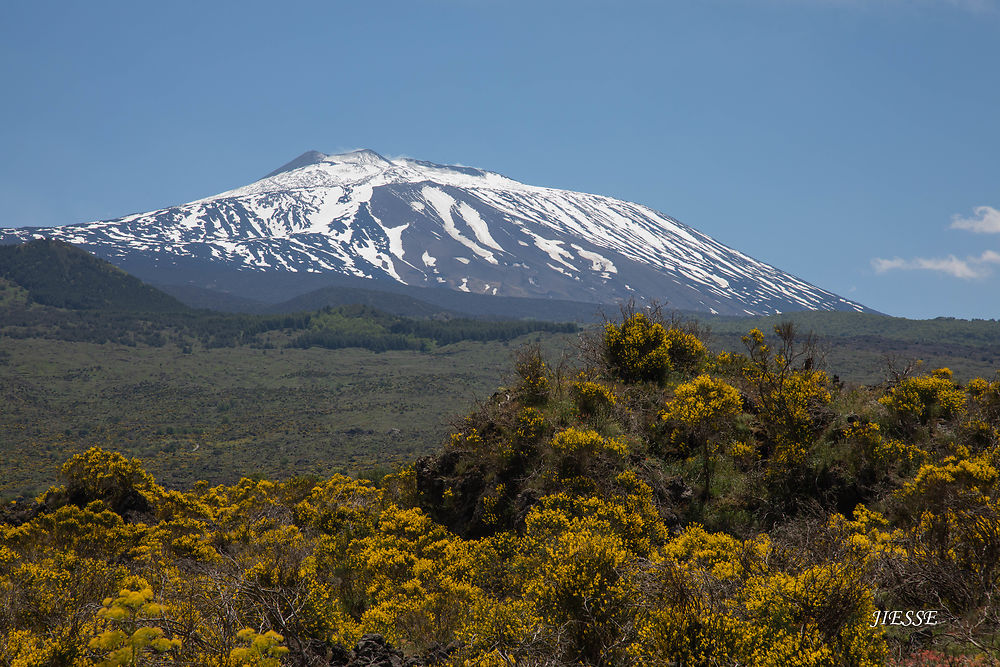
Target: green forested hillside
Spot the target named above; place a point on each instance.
(58, 274)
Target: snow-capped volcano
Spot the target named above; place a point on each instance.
(424, 224)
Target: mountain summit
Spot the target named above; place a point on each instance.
(424, 224)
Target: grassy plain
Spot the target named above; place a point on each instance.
(858, 346)
(221, 413)
(218, 414)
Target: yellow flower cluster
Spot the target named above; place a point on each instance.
(881, 451)
(743, 452)
(770, 617)
(637, 350)
(587, 443)
(530, 425)
(262, 650)
(704, 403)
(592, 397)
(919, 400)
(977, 475)
(642, 350)
(580, 577)
(788, 400)
(592, 577)
(129, 634)
(533, 384)
(868, 535)
(979, 389)
(686, 351)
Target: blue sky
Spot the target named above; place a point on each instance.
(854, 143)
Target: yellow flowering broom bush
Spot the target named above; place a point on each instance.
(555, 528)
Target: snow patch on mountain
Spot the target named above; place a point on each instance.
(443, 204)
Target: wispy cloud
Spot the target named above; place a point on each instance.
(985, 221)
(950, 265)
(969, 268)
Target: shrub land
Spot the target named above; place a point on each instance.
(653, 504)
(213, 396)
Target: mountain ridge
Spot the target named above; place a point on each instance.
(423, 224)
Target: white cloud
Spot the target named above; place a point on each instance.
(990, 257)
(967, 269)
(882, 265)
(985, 221)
